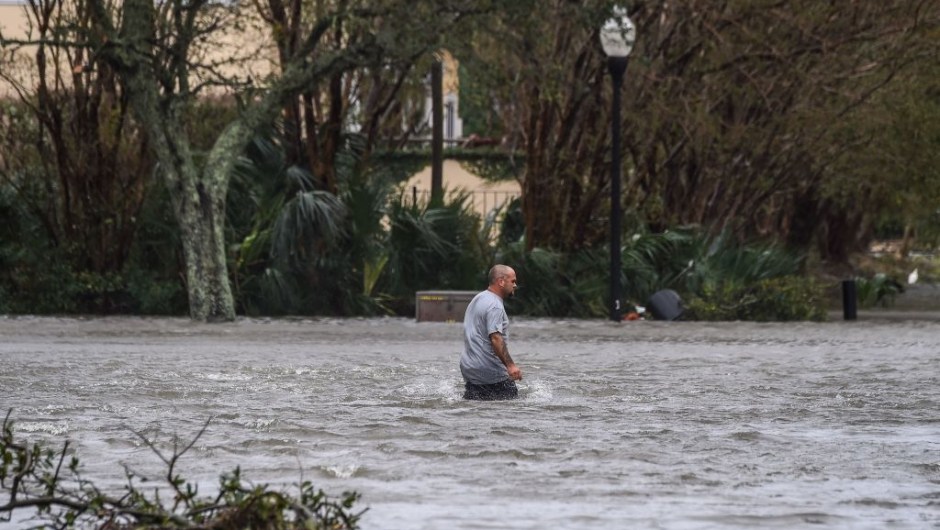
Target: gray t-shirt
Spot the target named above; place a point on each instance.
(478, 363)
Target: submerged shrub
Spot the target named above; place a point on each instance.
(777, 299)
(721, 279)
(879, 290)
(553, 283)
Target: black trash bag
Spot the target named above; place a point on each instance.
(665, 305)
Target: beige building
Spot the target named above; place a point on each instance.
(12, 21)
(241, 51)
(13, 25)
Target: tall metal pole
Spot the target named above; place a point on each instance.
(437, 133)
(617, 67)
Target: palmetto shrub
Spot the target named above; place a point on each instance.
(776, 299)
(708, 272)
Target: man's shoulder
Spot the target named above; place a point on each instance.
(489, 297)
(486, 299)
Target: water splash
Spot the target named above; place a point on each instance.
(341, 470)
(58, 428)
(537, 391)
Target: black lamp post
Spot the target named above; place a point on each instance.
(617, 37)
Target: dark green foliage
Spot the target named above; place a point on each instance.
(477, 104)
(658, 261)
(303, 250)
(365, 251)
(284, 227)
(51, 264)
(433, 248)
(879, 290)
(577, 283)
(778, 299)
(721, 260)
(154, 272)
(512, 228)
(723, 280)
(556, 284)
(43, 285)
(37, 275)
(30, 266)
(35, 477)
(154, 294)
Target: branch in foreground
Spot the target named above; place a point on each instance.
(33, 477)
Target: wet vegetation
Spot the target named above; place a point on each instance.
(47, 488)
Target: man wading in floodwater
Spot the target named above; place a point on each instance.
(488, 371)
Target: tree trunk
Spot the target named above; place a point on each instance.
(197, 190)
(200, 210)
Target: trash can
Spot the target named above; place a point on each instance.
(665, 305)
(442, 306)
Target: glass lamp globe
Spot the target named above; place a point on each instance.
(618, 34)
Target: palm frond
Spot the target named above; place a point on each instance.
(306, 219)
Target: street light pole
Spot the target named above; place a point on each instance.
(437, 133)
(617, 66)
(617, 37)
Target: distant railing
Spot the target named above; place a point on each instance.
(469, 142)
(483, 201)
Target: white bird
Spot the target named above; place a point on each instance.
(912, 277)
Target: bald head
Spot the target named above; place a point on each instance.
(499, 272)
(502, 281)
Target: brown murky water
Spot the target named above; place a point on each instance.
(642, 425)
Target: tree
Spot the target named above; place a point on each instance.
(546, 80)
(70, 149)
(383, 101)
(734, 111)
(756, 104)
(895, 183)
(330, 142)
(159, 50)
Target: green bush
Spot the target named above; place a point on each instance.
(429, 247)
(879, 290)
(153, 295)
(44, 286)
(4, 301)
(557, 284)
(722, 279)
(45, 274)
(777, 299)
(53, 288)
(363, 251)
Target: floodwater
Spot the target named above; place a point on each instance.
(636, 425)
